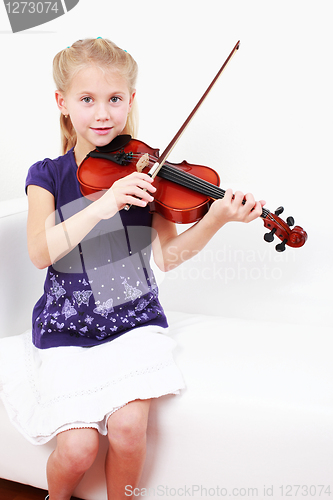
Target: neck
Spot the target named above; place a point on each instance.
(81, 152)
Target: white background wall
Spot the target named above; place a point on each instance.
(266, 128)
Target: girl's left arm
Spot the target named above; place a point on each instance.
(171, 249)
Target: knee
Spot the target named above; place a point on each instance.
(77, 449)
(127, 430)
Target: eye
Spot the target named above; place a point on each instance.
(87, 99)
(115, 99)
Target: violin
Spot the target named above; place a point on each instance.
(184, 192)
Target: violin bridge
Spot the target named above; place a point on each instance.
(143, 162)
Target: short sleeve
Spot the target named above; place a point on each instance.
(42, 174)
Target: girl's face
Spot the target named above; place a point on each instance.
(98, 103)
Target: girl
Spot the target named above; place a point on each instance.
(98, 353)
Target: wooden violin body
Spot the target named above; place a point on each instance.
(176, 202)
(184, 191)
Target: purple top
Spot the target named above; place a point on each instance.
(104, 286)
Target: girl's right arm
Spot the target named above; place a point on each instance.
(48, 242)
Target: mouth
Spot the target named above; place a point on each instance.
(101, 130)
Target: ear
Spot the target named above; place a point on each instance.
(61, 102)
(131, 100)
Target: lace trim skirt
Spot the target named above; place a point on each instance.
(47, 391)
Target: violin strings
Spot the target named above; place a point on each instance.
(193, 183)
(190, 181)
(186, 179)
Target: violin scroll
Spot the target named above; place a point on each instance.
(295, 237)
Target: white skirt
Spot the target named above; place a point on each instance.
(47, 391)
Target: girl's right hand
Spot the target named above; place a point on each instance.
(134, 189)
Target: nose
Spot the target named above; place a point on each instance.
(102, 113)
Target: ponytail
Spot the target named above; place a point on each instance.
(67, 132)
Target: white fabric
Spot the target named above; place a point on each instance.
(46, 391)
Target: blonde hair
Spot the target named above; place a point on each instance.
(105, 54)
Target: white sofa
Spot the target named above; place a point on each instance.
(256, 418)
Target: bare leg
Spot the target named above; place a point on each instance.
(75, 453)
(127, 448)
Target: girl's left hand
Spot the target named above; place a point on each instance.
(232, 209)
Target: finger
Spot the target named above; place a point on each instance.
(131, 199)
(228, 195)
(142, 182)
(255, 212)
(249, 198)
(141, 193)
(238, 198)
(132, 186)
(134, 200)
(250, 202)
(148, 187)
(141, 176)
(137, 193)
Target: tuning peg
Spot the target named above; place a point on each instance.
(281, 246)
(290, 221)
(279, 211)
(269, 237)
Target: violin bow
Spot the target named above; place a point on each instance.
(162, 159)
